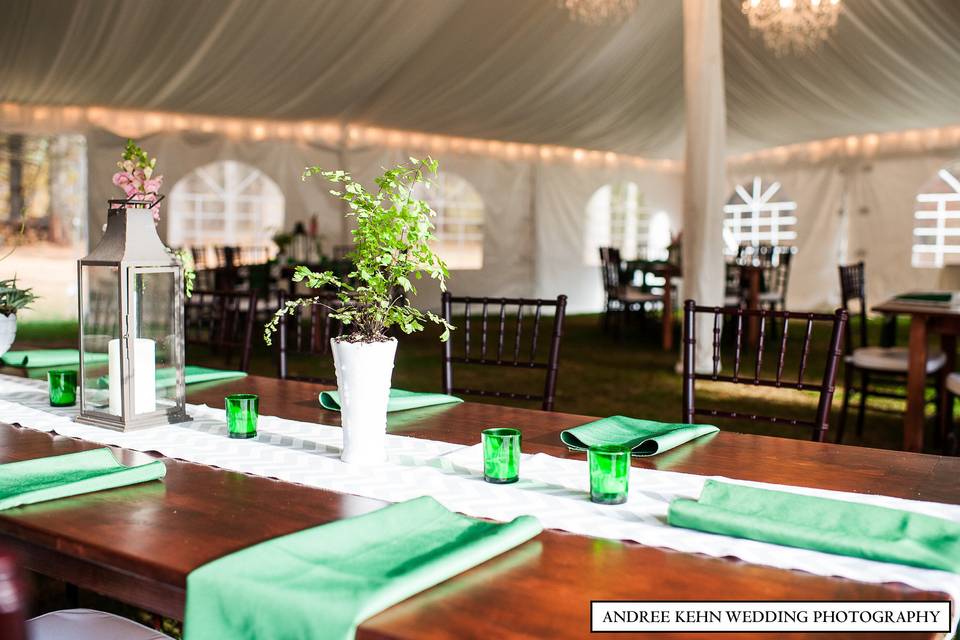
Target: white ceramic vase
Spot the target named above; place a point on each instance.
(8, 331)
(364, 370)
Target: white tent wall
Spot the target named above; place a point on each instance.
(505, 186)
(562, 194)
(819, 193)
(856, 209)
(848, 208)
(179, 153)
(535, 212)
(883, 200)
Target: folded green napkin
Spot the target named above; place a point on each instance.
(944, 297)
(822, 524)
(400, 400)
(49, 358)
(645, 437)
(324, 581)
(67, 475)
(167, 377)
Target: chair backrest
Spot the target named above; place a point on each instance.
(522, 355)
(307, 331)
(227, 256)
(199, 255)
(776, 271)
(853, 288)
(222, 321)
(610, 270)
(823, 384)
(13, 598)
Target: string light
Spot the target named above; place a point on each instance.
(136, 123)
(865, 145)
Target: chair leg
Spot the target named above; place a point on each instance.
(944, 401)
(951, 445)
(845, 406)
(862, 409)
(946, 421)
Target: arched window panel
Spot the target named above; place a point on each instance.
(758, 214)
(659, 236)
(459, 223)
(936, 230)
(225, 203)
(618, 217)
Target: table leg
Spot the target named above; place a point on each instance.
(667, 313)
(753, 303)
(916, 383)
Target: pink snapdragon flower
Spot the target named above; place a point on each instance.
(136, 177)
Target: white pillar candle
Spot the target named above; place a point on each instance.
(144, 366)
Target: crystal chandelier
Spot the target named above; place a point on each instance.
(799, 26)
(597, 12)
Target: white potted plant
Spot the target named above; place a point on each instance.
(12, 299)
(391, 249)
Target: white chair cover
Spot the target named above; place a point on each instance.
(87, 624)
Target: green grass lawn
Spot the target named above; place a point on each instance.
(600, 376)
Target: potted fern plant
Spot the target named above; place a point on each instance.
(391, 251)
(12, 299)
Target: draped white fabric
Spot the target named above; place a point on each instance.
(520, 70)
(859, 209)
(501, 69)
(703, 179)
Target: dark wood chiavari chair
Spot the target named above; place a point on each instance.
(307, 332)
(520, 358)
(226, 275)
(621, 298)
(824, 385)
(881, 368)
(775, 278)
(223, 322)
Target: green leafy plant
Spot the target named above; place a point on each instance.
(13, 298)
(391, 250)
(189, 270)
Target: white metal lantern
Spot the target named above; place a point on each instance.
(131, 325)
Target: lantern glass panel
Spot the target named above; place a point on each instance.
(101, 328)
(153, 350)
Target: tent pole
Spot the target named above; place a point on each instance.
(704, 179)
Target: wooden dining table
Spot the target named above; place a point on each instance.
(925, 319)
(137, 544)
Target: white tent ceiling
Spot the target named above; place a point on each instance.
(501, 69)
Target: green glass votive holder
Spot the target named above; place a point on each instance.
(63, 388)
(609, 473)
(501, 455)
(242, 412)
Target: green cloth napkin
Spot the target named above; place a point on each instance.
(644, 437)
(167, 376)
(49, 358)
(324, 581)
(822, 524)
(67, 475)
(400, 400)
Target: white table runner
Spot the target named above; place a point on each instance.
(554, 490)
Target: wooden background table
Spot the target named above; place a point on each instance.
(924, 320)
(137, 544)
